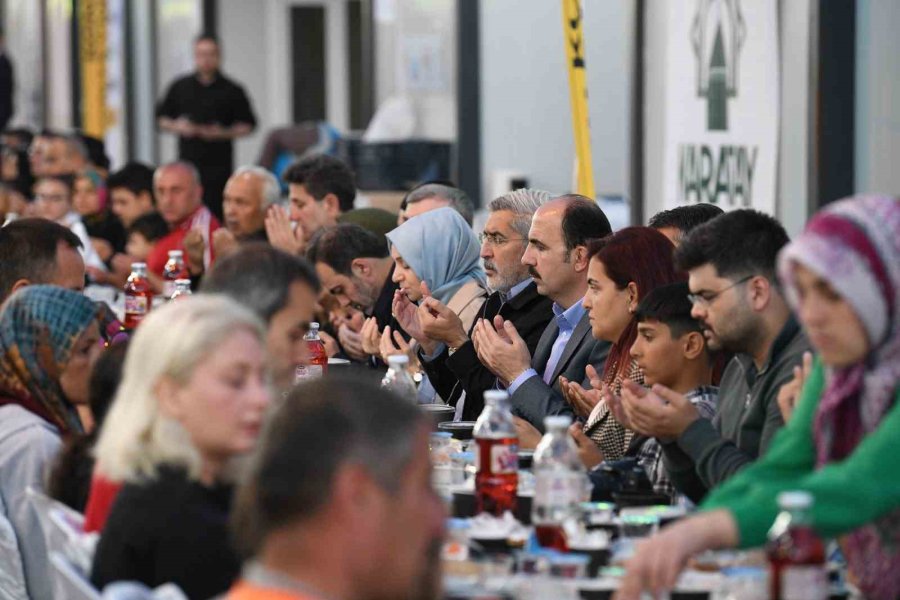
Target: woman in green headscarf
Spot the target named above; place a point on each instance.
(49, 337)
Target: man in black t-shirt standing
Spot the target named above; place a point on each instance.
(206, 110)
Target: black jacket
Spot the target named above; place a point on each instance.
(169, 529)
(451, 375)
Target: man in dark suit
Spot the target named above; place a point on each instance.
(445, 351)
(557, 259)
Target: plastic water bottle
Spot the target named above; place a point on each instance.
(138, 296)
(182, 290)
(174, 270)
(398, 380)
(496, 456)
(317, 364)
(559, 480)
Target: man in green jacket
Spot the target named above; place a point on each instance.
(736, 297)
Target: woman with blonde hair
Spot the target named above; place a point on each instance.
(192, 400)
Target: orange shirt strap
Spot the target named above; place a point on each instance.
(244, 590)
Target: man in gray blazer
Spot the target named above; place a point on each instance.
(557, 260)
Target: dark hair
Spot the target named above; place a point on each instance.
(259, 276)
(319, 428)
(23, 183)
(24, 134)
(669, 304)
(685, 218)
(105, 378)
(135, 177)
(206, 37)
(583, 220)
(96, 150)
(340, 245)
(738, 243)
(322, 175)
(65, 179)
(152, 226)
(28, 250)
(70, 478)
(641, 255)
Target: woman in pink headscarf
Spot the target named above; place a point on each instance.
(841, 445)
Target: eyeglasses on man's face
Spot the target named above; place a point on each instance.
(497, 239)
(705, 298)
(51, 197)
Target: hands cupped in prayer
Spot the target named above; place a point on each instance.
(501, 349)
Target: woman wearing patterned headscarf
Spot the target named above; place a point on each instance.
(48, 339)
(841, 445)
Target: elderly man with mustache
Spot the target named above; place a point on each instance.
(453, 366)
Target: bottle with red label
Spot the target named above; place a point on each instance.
(796, 553)
(317, 363)
(560, 483)
(496, 456)
(138, 296)
(174, 270)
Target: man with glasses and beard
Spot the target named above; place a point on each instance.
(452, 364)
(736, 297)
(339, 502)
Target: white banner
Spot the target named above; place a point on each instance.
(721, 103)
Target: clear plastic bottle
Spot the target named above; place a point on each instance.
(182, 289)
(174, 270)
(317, 363)
(138, 296)
(796, 553)
(559, 483)
(398, 380)
(496, 456)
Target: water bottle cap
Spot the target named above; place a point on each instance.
(175, 253)
(313, 326)
(495, 395)
(795, 499)
(398, 359)
(138, 265)
(557, 421)
(182, 282)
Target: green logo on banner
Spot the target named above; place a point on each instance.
(717, 34)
